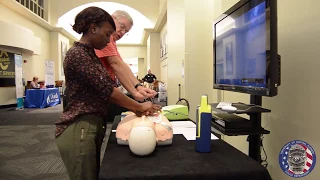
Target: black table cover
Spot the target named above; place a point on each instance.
(179, 161)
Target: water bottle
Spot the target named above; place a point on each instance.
(203, 126)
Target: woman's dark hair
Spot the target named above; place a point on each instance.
(91, 15)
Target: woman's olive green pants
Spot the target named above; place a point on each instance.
(80, 147)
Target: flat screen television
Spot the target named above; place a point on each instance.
(245, 45)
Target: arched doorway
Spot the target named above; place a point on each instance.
(133, 37)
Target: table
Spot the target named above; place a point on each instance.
(179, 161)
(41, 98)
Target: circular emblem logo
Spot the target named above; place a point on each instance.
(297, 159)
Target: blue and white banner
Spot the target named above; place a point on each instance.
(49, 72)
(18, 80)
(53, 99)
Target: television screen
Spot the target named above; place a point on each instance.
(243, 48)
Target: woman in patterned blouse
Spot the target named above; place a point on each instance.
(80, 130)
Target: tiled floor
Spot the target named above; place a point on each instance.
(27, 147)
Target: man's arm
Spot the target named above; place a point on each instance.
(127, 79)
(120, 69)
(123, 73)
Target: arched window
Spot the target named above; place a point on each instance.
(135, 34)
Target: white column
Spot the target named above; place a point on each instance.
(142, 71)
(199, 51)
(155, 53)
(55, 52)
(176, 47)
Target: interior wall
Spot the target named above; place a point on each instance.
(58, 70)
(133, 51)
(226, 4)
(54, 52)
(35, 63)
(217, 8)
(56, 40)
(161, 4)
(19, 37)
(139, 52)
(154, 53)
(189, 64)
(198, 58)
(176, 48)
(164, 63)
(294, 111)
(141, 70)
(298, 42)
(148, 60)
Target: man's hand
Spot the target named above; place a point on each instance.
(146, 92)
(147, 108)
(138, 96)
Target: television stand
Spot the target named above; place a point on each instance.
(254, 110)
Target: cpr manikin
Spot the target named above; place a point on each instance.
(143, 134)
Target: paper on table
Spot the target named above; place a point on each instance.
(176, 124)
(179, 130)
(189, 133)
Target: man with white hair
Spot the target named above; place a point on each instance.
(117, 68)
(114, 64)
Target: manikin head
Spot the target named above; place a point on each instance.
(143, 134)
(123, 23)
(142, 139)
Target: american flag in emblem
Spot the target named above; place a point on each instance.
(309, 158)
(297, 159)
